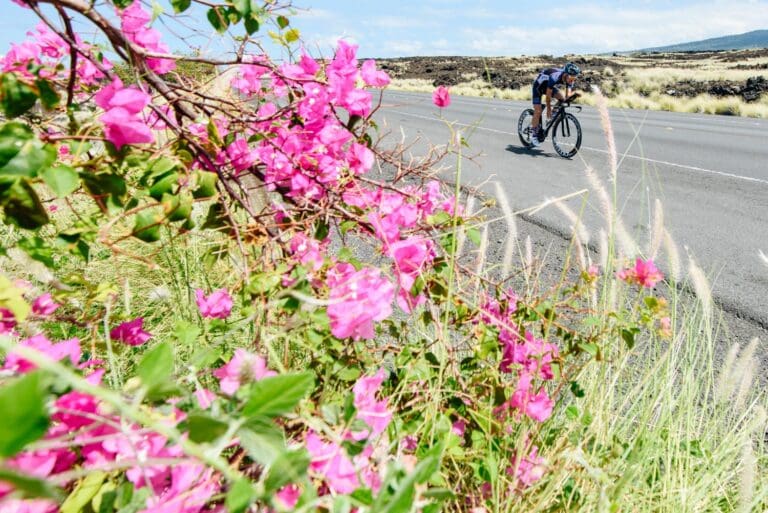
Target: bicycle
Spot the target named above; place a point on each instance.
(566, 129)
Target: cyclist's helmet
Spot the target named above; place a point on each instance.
(572, 69)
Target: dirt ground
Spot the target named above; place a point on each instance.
(519, 72)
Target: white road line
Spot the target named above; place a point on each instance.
(599, 150)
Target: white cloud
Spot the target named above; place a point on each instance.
(599, 30)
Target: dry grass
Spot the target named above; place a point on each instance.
(639, 83)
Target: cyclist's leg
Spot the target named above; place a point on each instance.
(536, 96)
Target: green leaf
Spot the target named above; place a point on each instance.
(590, 348)
(28, 486)
(12, 298)
(289, 467)
(17, 97)
(218, 19)
(628, 334)
(37, 249)
(177, 207)
(282, 22)
(122, 4)
(85, 490)
(156, 367)
(62, 179)
(277, 395)
(110, 185)
(24, 417)
(206, 184)
(48, 94)
(240, 496)
(21, 205)
(474, 235)
(186, 333)
(251, 25)
(204, 428)
(147, 227)
(262, 439)
(21, 153)
(180, 6)
(292, 35)
(164, 184)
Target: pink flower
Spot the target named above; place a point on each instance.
(121, 128)
(459, 427)
(308, 251)
(244, 367)
(360, 158)
(371, 76)
(122, 124)
(358, 102)
(441, 97)
(44, 305)
(216, 306)
(330, 461)
(644, 274)
(131, 332)
(134, 18)
(204, 397)
(115, 95)
(358, 299)
(536, 406)
(7, 321)
(369, 410)
(409, 443)
(239, 155)
(191, 487)
(528, 469)
(59, 351)
(288, 496)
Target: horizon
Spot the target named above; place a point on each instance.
(445, 28)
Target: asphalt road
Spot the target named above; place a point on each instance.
(710, 173)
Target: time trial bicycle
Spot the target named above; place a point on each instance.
(566, 129)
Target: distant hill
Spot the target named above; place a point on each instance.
(754, 39)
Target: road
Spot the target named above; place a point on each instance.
(710, 173)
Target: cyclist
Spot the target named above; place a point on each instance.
(546, 83)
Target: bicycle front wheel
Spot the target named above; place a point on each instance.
(566, 136)
(524, 127)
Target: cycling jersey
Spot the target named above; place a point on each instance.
(548, 78)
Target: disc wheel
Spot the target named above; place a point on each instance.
(524, 127)
(566, 136)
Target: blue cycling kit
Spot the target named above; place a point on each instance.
(548, 79)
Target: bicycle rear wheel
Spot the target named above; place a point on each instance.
(524, 127)
(566, 136)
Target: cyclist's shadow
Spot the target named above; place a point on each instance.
(532, 152)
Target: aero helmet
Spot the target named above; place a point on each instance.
(572, 69)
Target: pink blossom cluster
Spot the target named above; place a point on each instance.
(42, 306)
(123, 124)
(339, 472)
(131, 332)
(45, 48)
(217, 305)
(86, 434)
(357, 299)
(311, 159)
(644, 274)
(133, 21)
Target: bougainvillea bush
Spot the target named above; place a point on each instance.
(210, 302)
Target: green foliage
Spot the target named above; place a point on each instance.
(25, 417)
(16, 97)
(278, 395)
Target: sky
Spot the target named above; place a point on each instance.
(401, 28)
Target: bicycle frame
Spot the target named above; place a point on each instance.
(560, 109)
